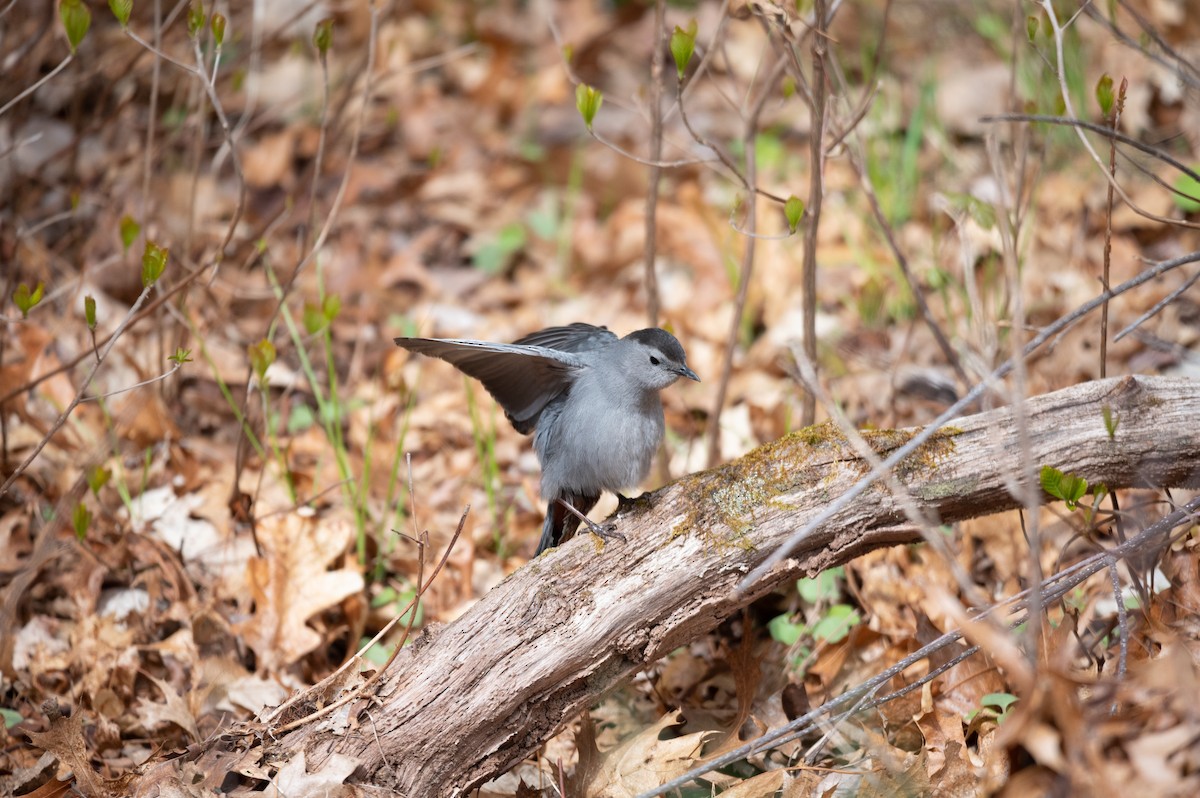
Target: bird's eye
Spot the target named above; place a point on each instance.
(653, 360)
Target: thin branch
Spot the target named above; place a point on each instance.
(44, 80)
(1108, 216)
(1158, 307)
(649, 246)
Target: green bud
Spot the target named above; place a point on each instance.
(217, 24)
(154, 262)
(121, 10)
(81, 519)
(76, 20)
(683, 44)
(262, 355)
(323, 36)
(129, 231)
(1104, 93)
(97, 478)
(195, 18)
(588, 100)
(27, 300)
(793, 209)
(89, 311)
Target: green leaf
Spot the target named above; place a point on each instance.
(11, 717)
(121, 10)
(1104, 94)
(1001, 701)
(313, 318)
(836, 624)
(217, 24)
(89, 311)
(377, 654)
(195, 18)
(1111, 421)
(76, 20)
(403, 600)
(130, 230)
(683, 44)
(27, 300)
(784, 631)
(588, 100)
(494, 256)
(318, 318)
(822, 587)
(300, 419)
(181, 356)
(1067, 487)
(331, 307)
(81, 519)
(793, 209)
(262, 355)
(323, 36)
(1188, 186)
(97, 478)
(154, 262)
(1032, 23)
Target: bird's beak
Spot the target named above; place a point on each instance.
(687, 372)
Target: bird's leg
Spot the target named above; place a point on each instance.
(605, 532)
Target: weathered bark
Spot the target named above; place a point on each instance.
(473, 697)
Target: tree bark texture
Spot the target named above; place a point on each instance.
(471, 698)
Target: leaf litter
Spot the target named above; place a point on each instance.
(477, 208)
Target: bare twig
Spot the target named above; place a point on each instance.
(816, 194)
(1108, 215)
(746, 273)
(656, 135)
(1158, 307)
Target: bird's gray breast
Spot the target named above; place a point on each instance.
(598, 437)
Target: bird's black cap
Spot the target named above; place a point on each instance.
(661, 340)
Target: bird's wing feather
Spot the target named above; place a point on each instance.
(522, 378)
(577, 337)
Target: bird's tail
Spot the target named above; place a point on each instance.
(561, 523)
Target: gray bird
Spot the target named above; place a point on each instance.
(591, 400)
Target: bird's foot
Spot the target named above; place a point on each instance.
(605, 532)
(625, 504)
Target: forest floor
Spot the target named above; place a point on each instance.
(207, 534)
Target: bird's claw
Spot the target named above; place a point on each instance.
(605, 532)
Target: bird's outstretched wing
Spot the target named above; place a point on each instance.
(522, 377)
(577, 337)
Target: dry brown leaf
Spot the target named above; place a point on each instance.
(175, 710)
(329, 781)
(644, 761)
(291, 584)
(66, 741)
